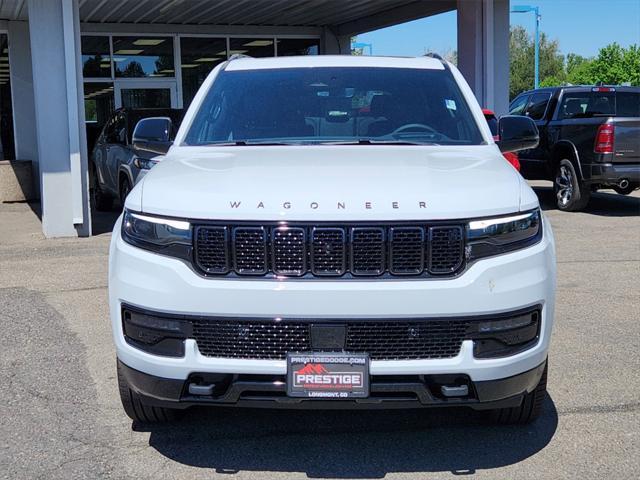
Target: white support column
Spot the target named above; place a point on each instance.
(483, 50)
(24, 114)
(58, 92)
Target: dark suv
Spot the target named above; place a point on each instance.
(118, 161)
(589, 139)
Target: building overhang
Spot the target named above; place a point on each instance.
(344, 18)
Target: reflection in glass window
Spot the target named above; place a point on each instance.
(254, 47)
(146, 98)
(98, 107)
(143, 56)
(7, 149)
(199, 56)
(298, 46)
(96, 59)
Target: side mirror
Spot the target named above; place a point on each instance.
(154, 134)
(517, 133)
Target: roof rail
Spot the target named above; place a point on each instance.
(238, 56)
(434, 55)
(437, 56)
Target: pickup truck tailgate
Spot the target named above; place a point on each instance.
(626, 140)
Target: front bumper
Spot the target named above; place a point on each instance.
(495, 285)
(269, 391)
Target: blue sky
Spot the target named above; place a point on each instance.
(580, 26)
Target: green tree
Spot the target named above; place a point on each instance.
(521, 64)
(615, 65)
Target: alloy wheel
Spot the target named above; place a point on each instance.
(564, 185)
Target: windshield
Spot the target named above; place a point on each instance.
(334, 105)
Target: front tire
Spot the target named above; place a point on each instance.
(137, 411)
(529, 409)
(571, 194)
(99, 199)
(125, 188)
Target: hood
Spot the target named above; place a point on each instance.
(330, 183)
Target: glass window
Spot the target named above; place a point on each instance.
(96, 59)
(628, 104)
(254, 47)
(517, 106)
(98, 107)
(328, 104)
(199, 56)
(143, 57)
(146, 98)
(298, 46)
(7, 148)
(537, 105)
(586, 104)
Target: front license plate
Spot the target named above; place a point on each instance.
(328, 375)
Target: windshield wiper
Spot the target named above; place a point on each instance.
(368, 141)
(245, 143)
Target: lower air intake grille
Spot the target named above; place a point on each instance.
(382, 340)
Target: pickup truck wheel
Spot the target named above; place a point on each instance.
(528, 411)
(571, 194)
(99, 199)
(138, 411)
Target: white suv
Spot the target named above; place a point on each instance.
(334, 231)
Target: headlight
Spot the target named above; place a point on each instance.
(162, 235)
(494, 236)
(144, 164)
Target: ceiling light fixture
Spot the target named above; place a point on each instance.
(259, 43)
(128, 52)
(151, 42)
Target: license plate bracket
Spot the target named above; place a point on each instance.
(328, 376)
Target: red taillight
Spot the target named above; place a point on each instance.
(604, 139)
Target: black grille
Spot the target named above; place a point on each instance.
(289, 251)
(445, 249)
(212, 252)
(406, 250)
(382, 340)
(322, 251)
(249, 250)
(328, 251)
(367, 251)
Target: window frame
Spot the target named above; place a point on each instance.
(529, 102)
(526, 96)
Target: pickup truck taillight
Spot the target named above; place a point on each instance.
(604, 139)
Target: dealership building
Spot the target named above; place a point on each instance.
(65, 65)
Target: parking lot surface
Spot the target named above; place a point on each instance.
(60, 414)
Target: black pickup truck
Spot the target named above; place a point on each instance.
(589, 139)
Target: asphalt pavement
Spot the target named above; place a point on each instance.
(60, 414)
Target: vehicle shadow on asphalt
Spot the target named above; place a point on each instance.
(606, 204)
(348, 444)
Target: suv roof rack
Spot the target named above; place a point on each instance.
(437, 56)
(237, 56)
(434, 55)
